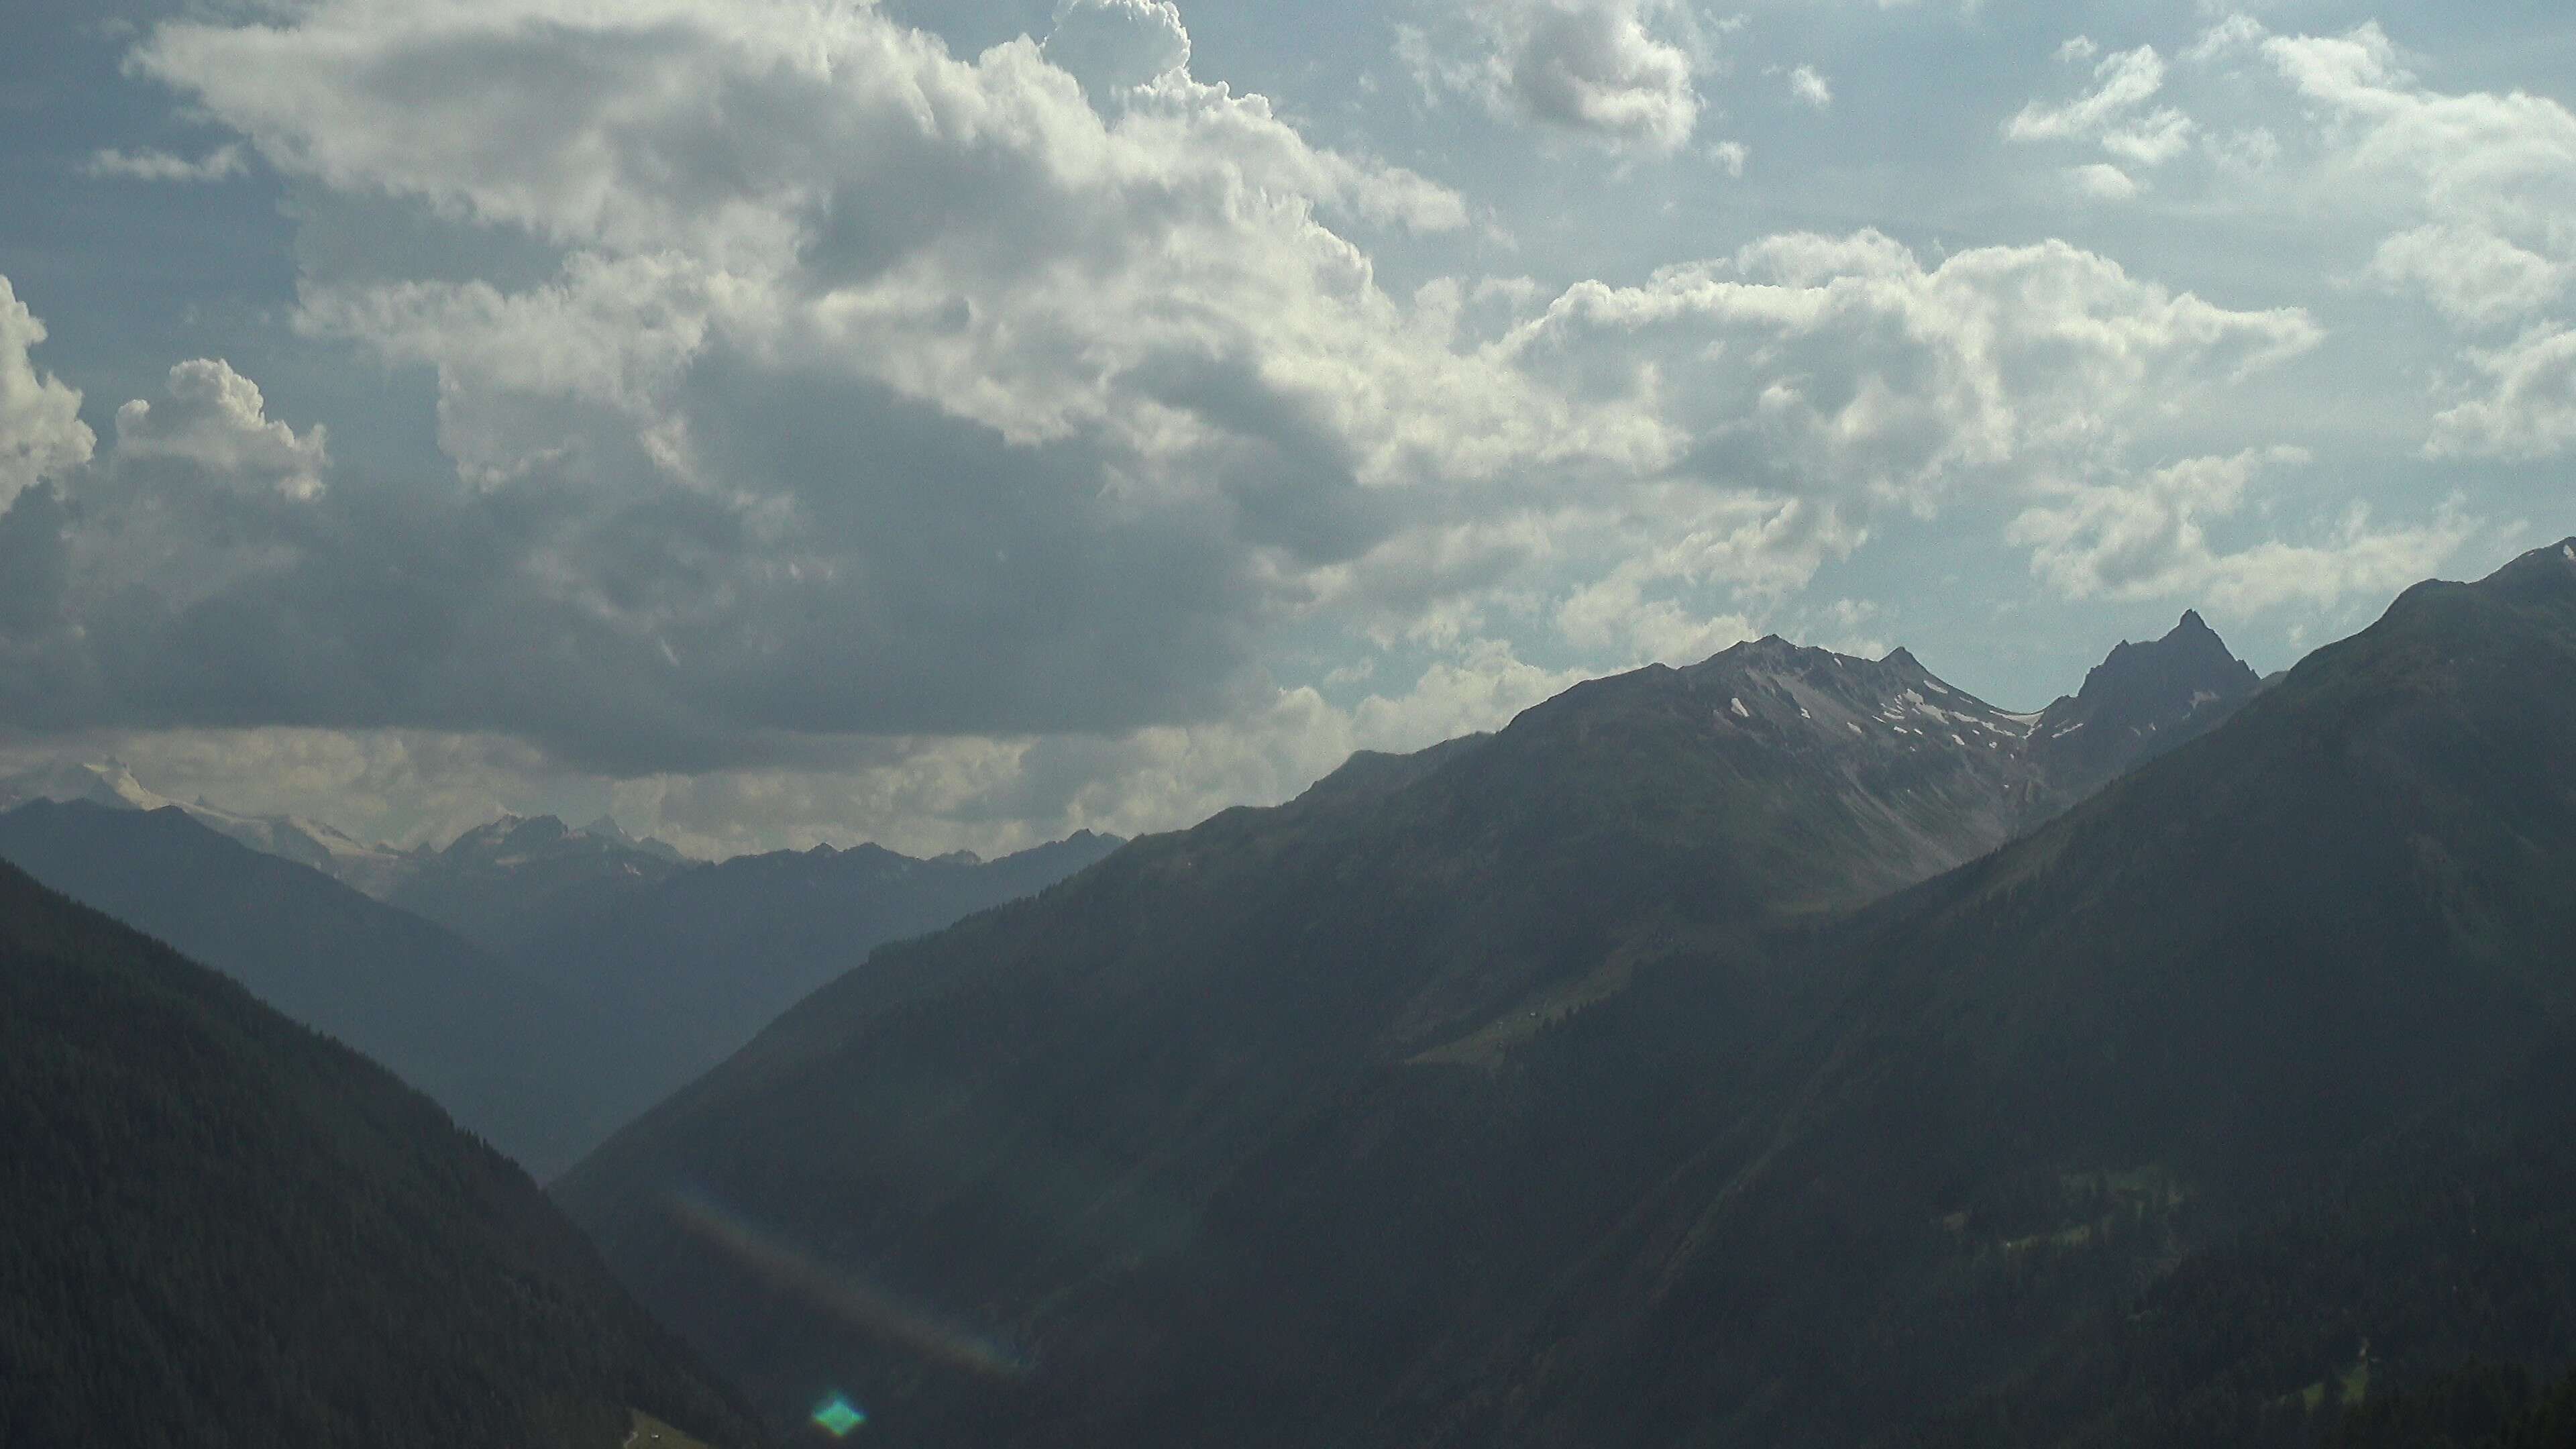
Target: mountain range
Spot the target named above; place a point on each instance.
(1787, 1048)
(111, 786)
(1245, 1126)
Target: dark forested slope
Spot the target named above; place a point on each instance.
(225, 1229)
(517, 1060)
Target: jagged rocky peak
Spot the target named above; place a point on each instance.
(2155, 684)
(606, 828)
(2139, 702)
(1770, 685)
(509, 833)
(2189, 660)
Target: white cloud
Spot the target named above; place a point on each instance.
(1810, 86)
(2112, 115)
(2102, 181)
(1842, 367)
(148, 165)
(41, 434)
(1118, 44)
(215, 420)
(2122, 82)
(2473, 276)
(2147, 538)
(2153, 139)
(2491, 177)
(2243, 154)
(2475, 196)
(2529, 414)
(2232, 34)
(1621, 72)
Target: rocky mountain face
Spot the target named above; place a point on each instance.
(112, 786)
(507, 881)
(1235, 1137)
(227, 1229)
(2144, 700)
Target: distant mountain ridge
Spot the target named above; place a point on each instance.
(550, 983)
(514, 1058)
(111, 785)
(427, 874)
(499, 883)
(707, 956)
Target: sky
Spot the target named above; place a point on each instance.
(956, 424)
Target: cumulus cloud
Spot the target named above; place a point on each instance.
(41, 433)
(2494, 176)
(961, 398)
(2147, 537)
(1117, 45)
(2473, 276)
(951, 449)
(937, 347)
(2473, 195)
(2529, 412)
(1844, 368)
(1620, 72)
(214, 420)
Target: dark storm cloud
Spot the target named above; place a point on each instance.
(911, 576)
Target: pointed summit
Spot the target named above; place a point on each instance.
(2140, 701)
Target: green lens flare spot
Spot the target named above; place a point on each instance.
(838, 1416)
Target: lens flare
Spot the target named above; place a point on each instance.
(837, 1416)
(844, 1295)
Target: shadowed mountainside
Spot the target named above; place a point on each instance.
(1243, 1111)
(698, 961)
(226, 1229)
